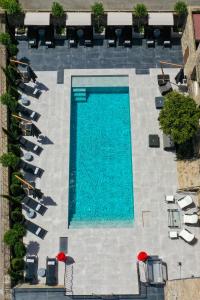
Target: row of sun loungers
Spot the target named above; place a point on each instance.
(31, 271)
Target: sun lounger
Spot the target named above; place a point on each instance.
(31, 169)
(38, 207)
(169, 198)
(186, 235)
(29, 90)
(31, 266)
(35, 229)
(190, 219)
(165, 89)
(24, 111)
(29, 146)
(51, 271)
(184, 202)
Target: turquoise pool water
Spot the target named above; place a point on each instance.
(101, 180)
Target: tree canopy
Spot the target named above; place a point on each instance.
(179, 117)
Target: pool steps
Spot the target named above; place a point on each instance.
(79, 94)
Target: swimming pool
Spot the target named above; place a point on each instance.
(101, 180)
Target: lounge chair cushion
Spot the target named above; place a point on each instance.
(186, 235)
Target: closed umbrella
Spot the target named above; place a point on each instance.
(180, 76)
(31, 73)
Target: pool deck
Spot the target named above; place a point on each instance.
(105, 258)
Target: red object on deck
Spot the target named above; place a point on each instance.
(142, 256)
(61, 257)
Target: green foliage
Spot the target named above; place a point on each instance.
(11, 6)
(17, 216)
(20, 229)
(14, 149)
(9, 160)
(185, 150)
(11, 237)
(97, 9)
(57, 9)
(12, 137)
(17, 264)
(19, 249)
(14, 180)
(5, 39)
(16, 276)
(179, 117)
(12, 49)
(16, 200)
(9, 100)
(14, 127)
(11, 75)
(16, 190)
(140, 10)
(180, 8)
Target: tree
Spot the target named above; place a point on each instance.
(140, 11)
(179, 117)
(5, 39)
(12, 7)
(19, 249)
(98, 11)
(9, 100)
(16, 189)
(11, 237)
(17, 264)
(180, 8)
(17, 216)
(20, 229)
(57, 9)
(9, 160)
(16, 200)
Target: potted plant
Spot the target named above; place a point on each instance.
(140, 13)
(98, 20)
(60, 32)
(21, 32)
(180, 9)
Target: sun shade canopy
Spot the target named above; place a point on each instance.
(161, 19)
(196, 22)
(37, 19)
(119, 19)
(78, 19)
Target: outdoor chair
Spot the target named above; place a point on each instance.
(31, 169)
(35, 229)
(31, 266)
(51, 271)
(88, 36)
(168, 143)
(154, 141)
(29, 90)
(24, 111)
(49, 37)
(169, 198)
(111, 37)
(38, 207)
(163, 79)
(156, 271)
(150, 43)
(127, 37)
(185, 202)
(190, 219)
(165, 89)
(29, 146)
(32, 38)
(186, 235)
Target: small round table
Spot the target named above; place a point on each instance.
(30, 213)
(25, 101)
(28, 156)
(42, 272)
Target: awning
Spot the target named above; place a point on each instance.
(119, 19)
(38, 19)
(161, 19)
(196, 22)
(78, 19)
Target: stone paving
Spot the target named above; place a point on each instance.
(109, 5)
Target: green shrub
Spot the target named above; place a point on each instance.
(14, 180)
(9, 100)
(12, 138)
(20, 229)
(180, 8)
(11, 237)
(17, 216)
(17, 264)
(98, 11)
(9, 160)
(5, 38)
(16, 276)
(140, 11)
(14, 149)
(12, 49)
(11, 6)
(16, 189)
(179, 117)
(14, 127)
(16, 200)
(57, 9)
(19, 249)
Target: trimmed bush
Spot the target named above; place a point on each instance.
(16, 276)
(9, 160)
(180, 8)
(5, 39)
(12, 49)
(19, 249)
(98, 11)
(11, 237)
(14, 180)
(17, 216)
(20, 229)
(11, 6)
(9, 100)
(14, 149)
(17, 264)
(16, 190)
(57, 9)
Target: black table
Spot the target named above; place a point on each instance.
(159, 102)
(154, 140)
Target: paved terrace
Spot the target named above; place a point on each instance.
(112, 5)
(105, 258)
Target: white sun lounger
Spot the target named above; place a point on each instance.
(184, 202)
(186, 235)
(169, 198)
(190, 219)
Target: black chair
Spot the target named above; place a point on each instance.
(28, 113)
(28, 90)
(31, 169)
(49, 37)
(51, 271)
(31, 266)
(32, 37)
(110, 36)
(29, 146)
(127, 36)
(35, 229)
(38, 207)
(88, 37)
(72, 40)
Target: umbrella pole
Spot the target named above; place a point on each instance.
(20, 118)
(25, 182)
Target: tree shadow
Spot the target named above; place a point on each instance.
(32, 248)
(47, 200)
(44, 140)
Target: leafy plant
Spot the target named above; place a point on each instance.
(14, 149)
(17, 216)
(14, 127)
(11, 6)
(57, 9)
(11, 136)
(12, 75)
(20, 229)
(9, 160)
(98, 11)
(140, 11)
(5, 38)
(14, 180)
(179, 117)
(180, 8)
(12, 49)
(17, 199)
(60, 30)
(19, 249)
(9, 100)
(17, 264)
(16, 190)
(11, 237)
(16, 276)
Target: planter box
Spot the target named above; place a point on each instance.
(98, 36)
(137, 35)
(61, 36)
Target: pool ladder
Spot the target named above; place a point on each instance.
(80, 94)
